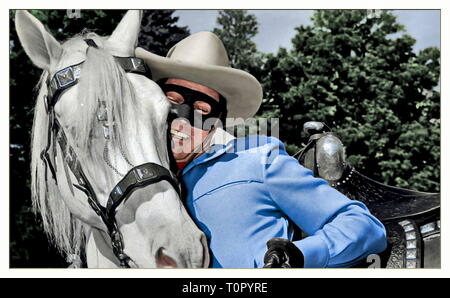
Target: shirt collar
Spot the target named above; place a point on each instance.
(220, 142)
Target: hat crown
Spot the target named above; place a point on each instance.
(202, 47)
(203, 59)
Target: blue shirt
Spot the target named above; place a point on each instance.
(243, 193)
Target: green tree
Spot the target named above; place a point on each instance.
(373, 90)
(236, 30)
(159, 31)
(28, 244)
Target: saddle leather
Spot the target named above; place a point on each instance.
(411, 218)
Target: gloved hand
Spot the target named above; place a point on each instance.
(282, 253)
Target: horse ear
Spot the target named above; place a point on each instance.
(124, 39)
(40, 45)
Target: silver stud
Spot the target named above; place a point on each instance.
(105, 132)
(411, 254)
(103, 115)
(404, 222)
(411, 264)
(65, 76)
(118, 190)
(408, 228)
(77, 72)
(411, 244)
(430, 227)
(410, 236)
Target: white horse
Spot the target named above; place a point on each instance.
(155, 228)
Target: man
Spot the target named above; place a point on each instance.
(246, 193)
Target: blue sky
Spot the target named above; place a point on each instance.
(276, 27)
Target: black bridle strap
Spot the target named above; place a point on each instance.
(49, 161)
(77, 171)
(69, 76)
(84, 186)
(139, 176)
(66, 78)
(90, 42)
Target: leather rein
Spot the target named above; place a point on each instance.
(138, 177)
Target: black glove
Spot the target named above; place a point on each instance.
(282, 253)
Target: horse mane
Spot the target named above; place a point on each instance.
(101, 78)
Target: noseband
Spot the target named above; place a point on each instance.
(138, 177)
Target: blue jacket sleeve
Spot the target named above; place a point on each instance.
(340, 231)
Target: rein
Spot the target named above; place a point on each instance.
(138, 177)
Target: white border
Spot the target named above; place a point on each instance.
(209, 273)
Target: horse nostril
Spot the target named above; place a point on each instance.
(163, 260)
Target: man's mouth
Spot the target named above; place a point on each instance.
(179, 135)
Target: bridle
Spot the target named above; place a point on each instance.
(138, 177)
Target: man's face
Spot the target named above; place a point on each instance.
(185, 135)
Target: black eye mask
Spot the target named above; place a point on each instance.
(186, 109)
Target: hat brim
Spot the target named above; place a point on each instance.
(241, 90)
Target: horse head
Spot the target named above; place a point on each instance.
(95, 123)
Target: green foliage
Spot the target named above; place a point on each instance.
(372, 90)
(159, 31)
(26, 231)
(236, 30)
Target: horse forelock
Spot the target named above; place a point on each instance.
(101, 78)
(103, 82)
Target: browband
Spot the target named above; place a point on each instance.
(69, 76)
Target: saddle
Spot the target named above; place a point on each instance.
(411, 218)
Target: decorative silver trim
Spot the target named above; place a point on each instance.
(429, 227)
(410, 264)
(412, 246)
(408, 228)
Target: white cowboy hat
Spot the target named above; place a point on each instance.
(202, 58)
